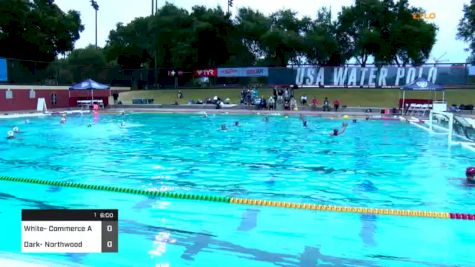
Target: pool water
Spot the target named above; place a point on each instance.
(380, 164)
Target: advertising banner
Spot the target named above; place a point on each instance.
(471, 70)
(206, 73)
(243, 72)
(356, 76)
(3, 70)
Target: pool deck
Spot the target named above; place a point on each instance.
(354, 112)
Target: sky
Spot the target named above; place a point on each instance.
(447, 15)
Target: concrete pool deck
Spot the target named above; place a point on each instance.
(355, 112)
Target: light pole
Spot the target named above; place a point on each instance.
(230, 4)
(96, 8)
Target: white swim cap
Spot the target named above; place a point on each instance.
(10, 133)
(16, 129)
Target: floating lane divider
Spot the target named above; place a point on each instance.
(246, 201)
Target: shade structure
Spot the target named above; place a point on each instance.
(421, 84)
(89, 85)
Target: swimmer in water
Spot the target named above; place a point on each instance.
(271, 181)
(89, 125)
(336, 132)
(16, 129)
(266, 119)
(236, 123)
(63, 120)
(205, 115)
(354, 120)
(304, 123)
(27, 121)
(10, 135)
(223, 127)
(470, 173)
(122, 124)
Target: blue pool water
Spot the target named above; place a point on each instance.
(382, 164)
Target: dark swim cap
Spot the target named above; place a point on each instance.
(470, 171)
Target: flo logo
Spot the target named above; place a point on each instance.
(420, 16)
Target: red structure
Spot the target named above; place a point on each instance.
(25, 97)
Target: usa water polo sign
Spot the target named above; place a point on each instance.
(360, 76)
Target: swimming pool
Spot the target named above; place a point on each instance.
(382, 164)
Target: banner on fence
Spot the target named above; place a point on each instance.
(206, 73)
(366, 76)
(471, 70)
(243, 72)
(3, 70)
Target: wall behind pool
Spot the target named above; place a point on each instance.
(25, 97)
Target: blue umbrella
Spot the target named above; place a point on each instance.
(89, 85)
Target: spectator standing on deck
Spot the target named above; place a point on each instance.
(326, 104)
(336, 104)
(271, 103)
(303, 100)
(293, 104)
(314, 103)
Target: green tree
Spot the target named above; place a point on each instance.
(466, 28)
(321, 45)
(411, 39)
(81, 64)
(386, 31)
(283, 42)
(36, 30)
(251, 26)
(130, 45)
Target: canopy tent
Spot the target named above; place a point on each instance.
(89, 85)
(422, 84)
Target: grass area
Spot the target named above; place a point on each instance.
(350, 97)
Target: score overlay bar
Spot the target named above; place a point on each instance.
(69, 231)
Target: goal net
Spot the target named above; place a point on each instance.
(458, 128)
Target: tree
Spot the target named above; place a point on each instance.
(251, 26)
(81, 64)
(283, 42)
(129, 45)
(466, 28)
(36, 30)
(211, 37)
(321, 46)
(387, 31)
